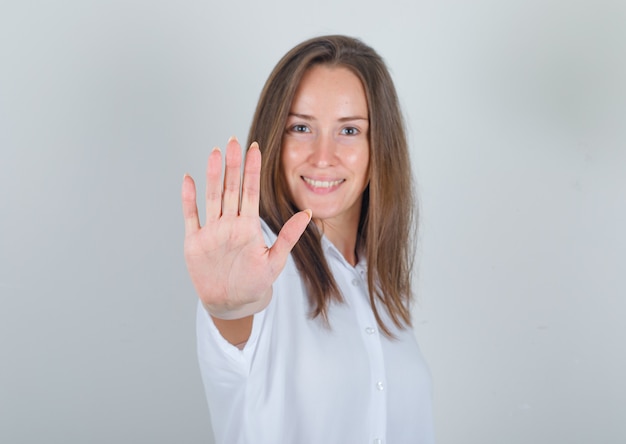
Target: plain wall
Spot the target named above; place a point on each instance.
(515, 111)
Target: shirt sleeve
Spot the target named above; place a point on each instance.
(224, 360)
(225, 369)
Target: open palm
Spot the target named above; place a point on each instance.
(229, 263)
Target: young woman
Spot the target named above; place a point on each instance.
(303, 268)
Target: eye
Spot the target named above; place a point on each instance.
(350, 131)
(300, 129)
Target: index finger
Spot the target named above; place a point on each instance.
(250, 191)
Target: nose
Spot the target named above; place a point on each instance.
(323, 151)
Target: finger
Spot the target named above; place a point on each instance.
(287, 238)
(251, 182)
(232, 178)
(214, 186)
(190, 209)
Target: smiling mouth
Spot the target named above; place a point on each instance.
(322, 183)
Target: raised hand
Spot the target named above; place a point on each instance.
(229, 263)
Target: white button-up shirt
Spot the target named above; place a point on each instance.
(300, 381)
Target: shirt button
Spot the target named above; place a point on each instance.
(370, 330)
(355, 282)
(380, 386)
(378, 441)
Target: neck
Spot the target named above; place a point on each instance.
(343, 236)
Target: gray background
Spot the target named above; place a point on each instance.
(516, 117)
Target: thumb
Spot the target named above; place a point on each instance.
(287, 238)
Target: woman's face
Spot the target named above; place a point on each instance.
(325, 150)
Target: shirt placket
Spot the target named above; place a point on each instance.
(372, 341)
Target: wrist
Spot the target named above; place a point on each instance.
(229, 312)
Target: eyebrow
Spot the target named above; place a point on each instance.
(342, 119)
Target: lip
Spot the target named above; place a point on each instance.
(322, 185)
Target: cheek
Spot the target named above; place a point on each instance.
(285, 158)
(290, 158)
(358, 162)
(288, 164)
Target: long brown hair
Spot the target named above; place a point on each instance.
(388, 219)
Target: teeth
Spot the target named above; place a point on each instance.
(322, 183)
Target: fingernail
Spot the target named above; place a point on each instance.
(232, 138)
(309, 212)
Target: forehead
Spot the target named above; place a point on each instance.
(324, 86)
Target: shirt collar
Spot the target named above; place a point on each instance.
(330, 251)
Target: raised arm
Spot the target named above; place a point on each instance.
(230, 265)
